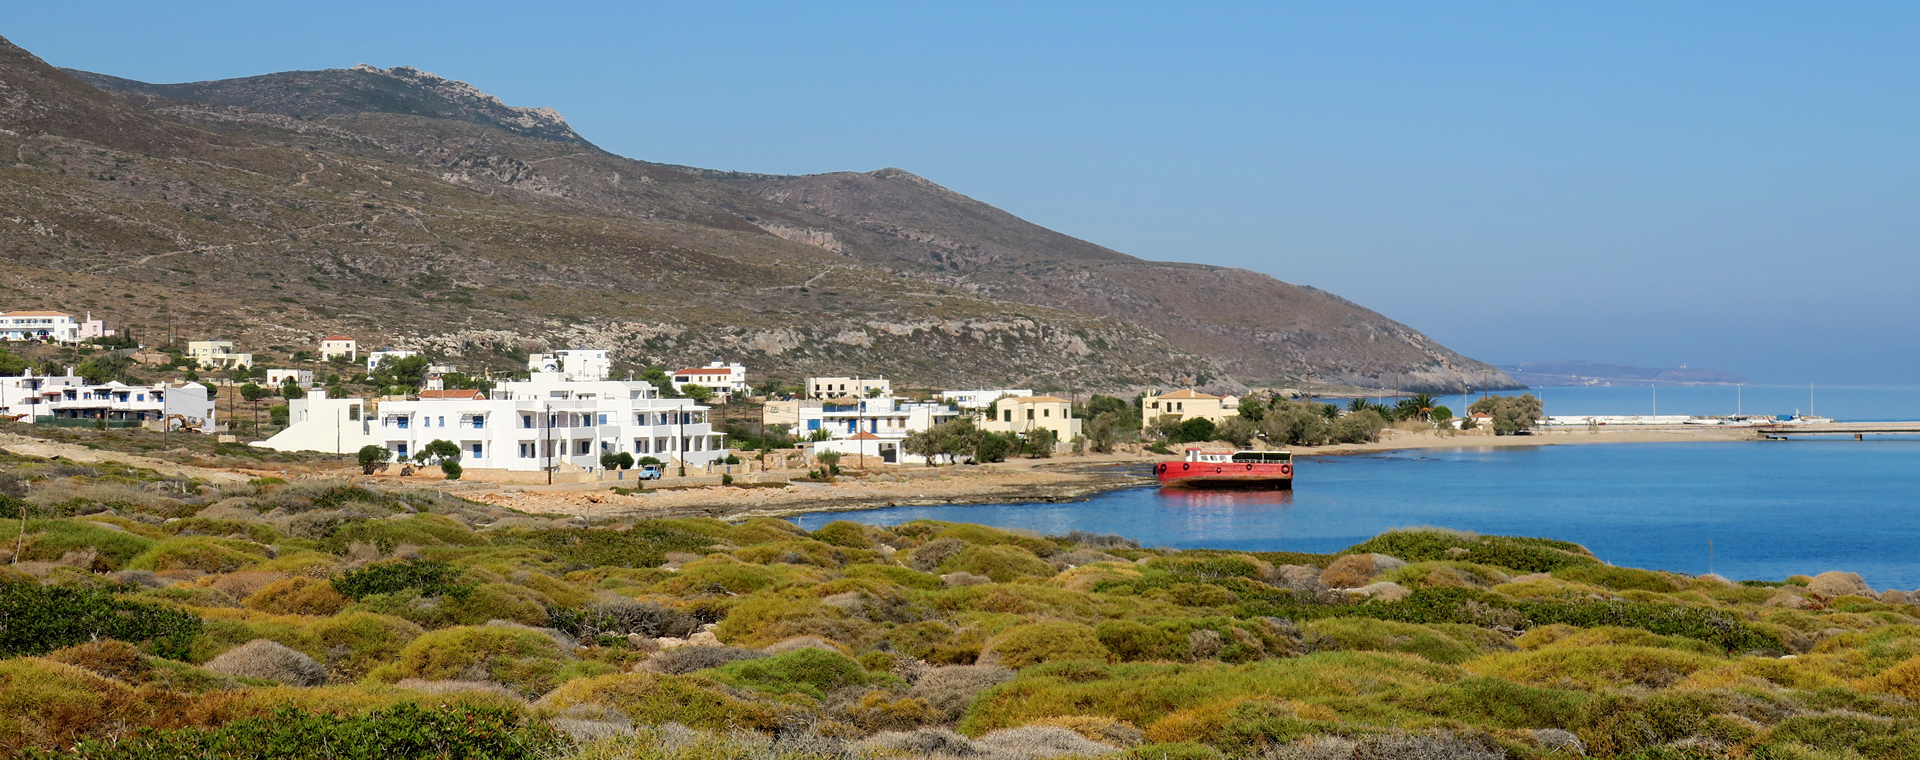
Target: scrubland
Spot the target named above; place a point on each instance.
(142, 617)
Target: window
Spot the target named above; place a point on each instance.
(603, 419)
(401, 450)
(400, 422)
(584, 447)
(697, 442)
(1046, 412)
(526, 450)
(443, 422)
(479, 422)
(476, 451)
(640, 445)
(526, 420)
(1029, 415)
(353, 412)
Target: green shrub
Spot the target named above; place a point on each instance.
(1210, 566)
(1622, 578)
(1526, 555)
(37, 619)
(981, 535)
(49, 540)
(386, 535)
(526, 660)
(844, 533)
(812, 672)
(651, 699)
(1001, 563)
(298, 595)
(1596, 667)
(1171, 751)
(1132, 641)
(429, 577)
(1392, 636)
(1026, 645)
(402, 731)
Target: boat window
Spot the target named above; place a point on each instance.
(1263, 456)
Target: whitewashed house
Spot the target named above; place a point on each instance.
(302, 377)
(982, 399)
(580, 365)
(31, 398)
(374, 358)
(722, 379)
(860, 387)
(527, 425)
(58, 327)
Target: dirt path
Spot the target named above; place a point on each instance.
(37, 447)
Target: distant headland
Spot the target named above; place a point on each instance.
(1599, 373)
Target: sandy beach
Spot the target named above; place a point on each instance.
(1061, 478)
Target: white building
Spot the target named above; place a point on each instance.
(69, 397)
(580, 365)
(217, 354)
(39, 325)
(302, 377)
(982, 399)
(833, 387)
(339, 345)
(1028, 413)
(527, 426)
(722, 379)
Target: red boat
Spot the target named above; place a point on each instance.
(1228, 469)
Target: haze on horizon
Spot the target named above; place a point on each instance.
(1723, 185)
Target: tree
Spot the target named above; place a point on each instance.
(253, 392)
(829, 461)
(11, 365)
(1440, 415)
(278, 414)
(443, 453)
(1196, 430)
(406, 372)
(658, 376)
(373, 458)
(1297, 424)
(1418, 406)
(1038, 443)
(1165, 427)
(1359, 427)
(290, 388)
(993, 447)
(920, 443)
(1238, 431)
(105, 367)
(609, 461)
(644, 461)
(1252, 409)
(1103, 431)
(1511, 414)
(626, 461)
(699, 393)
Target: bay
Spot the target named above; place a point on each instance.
(1770, 508)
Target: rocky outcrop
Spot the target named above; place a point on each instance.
(1835, 583)
(1356, 570)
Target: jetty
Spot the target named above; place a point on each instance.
(1835, 428)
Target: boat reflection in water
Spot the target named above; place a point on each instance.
(1241, 500)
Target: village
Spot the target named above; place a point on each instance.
(565, 415)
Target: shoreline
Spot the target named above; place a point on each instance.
(1059, 479)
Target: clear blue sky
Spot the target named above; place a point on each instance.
(1723, 184)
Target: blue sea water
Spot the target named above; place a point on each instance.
(1770, 508)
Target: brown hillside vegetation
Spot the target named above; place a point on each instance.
(417, 211)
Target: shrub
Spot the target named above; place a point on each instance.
(298, 596)
(106, 657)
(844, 533)
(877, 711)
(604, 621)
(50, 705)
(37, 619)
(1025, 645)
(1526, 555)
(1173, 751)
(687, 659)
(49, 540)
(1133, 641)
(268, 660)
(430, 578)
(357, 642)
(1041, 741)
(654, 699)
(404, 730)
(813, 672)
(1595, 667)
(524, 659)
(951, 690)
(1001, 563)
(207, 555)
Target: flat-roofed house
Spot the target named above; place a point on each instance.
(1184, 405)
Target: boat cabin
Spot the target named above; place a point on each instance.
(1240, 457)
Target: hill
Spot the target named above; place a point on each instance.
(413, 210)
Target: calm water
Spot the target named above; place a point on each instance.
(1771, 508)
(1846, 403)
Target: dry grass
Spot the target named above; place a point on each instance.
(269, 660)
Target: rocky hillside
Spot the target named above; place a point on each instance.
(418, 211)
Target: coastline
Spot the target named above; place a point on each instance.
(1059, 479)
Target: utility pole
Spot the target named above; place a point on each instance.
(549, 443)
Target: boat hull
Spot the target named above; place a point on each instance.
(1224, 475)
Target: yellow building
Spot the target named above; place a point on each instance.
(1026, 413)
(1186, 404)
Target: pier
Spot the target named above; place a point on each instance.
(1836, 428)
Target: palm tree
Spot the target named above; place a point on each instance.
(1417, 406)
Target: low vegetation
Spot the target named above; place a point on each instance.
(279, 619)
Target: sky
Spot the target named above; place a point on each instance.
(1730, 185)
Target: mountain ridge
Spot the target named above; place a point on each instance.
(885, 229)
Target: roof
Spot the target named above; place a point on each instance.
(863, 436)
(35, 314)
(467, 393)
(1186, 394)
(1039, 400)
(702, 371)
(336, 337)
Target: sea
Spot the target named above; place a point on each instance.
(1761, 510)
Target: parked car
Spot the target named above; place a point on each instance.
(648, 472)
